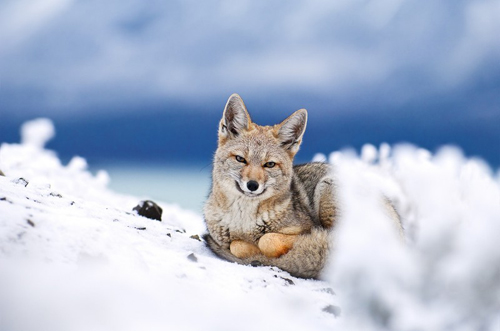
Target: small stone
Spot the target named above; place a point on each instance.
(192, 257)
(288, 280)
(30, 222)
(195, 237)
(149, 209)
(57, 195)
(141, 228)
(21, 181)
(1, 173)
(256, 263)
(331, 309)
(328, 290)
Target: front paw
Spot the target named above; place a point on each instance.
(276, 244)
(221, 235)
(241, 249)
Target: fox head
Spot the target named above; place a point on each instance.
(254, 160)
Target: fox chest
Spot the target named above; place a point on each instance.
(244, 221)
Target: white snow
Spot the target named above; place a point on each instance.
(73, 256)
(37, 132)
(447, 275)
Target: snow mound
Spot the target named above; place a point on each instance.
(37, 132)
(73, 255)
(447, 275)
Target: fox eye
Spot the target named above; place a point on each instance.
(240, 159)
(269, 164)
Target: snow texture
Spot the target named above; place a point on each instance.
(73, 255)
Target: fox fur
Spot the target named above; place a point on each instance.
(262, 210)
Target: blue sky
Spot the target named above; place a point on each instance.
(434, 64)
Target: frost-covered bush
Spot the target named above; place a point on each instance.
(447, 274)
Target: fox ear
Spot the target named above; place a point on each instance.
(292, 129)
(235, 118)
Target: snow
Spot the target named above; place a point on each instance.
(73, 255)
(37, 132)
(447, 275)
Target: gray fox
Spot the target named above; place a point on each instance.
(261, 209)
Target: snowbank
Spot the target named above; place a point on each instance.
(447, 275)
(73, 256)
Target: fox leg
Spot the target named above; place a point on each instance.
(219, 233)
(243, 249)
(274, 245)
(325, 203)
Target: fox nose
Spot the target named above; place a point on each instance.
(253, 185)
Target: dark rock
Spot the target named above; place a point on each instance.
(288, 280)
(149, 209)
(30, 222)
(331, 309)
(192, 257)
(32, 199)
(195, 237)
(1, 173)
(141, 228)
(255, 263)
(21, 181)
(57, 195)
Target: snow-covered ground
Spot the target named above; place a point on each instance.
(73, 255)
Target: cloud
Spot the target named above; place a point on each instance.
(20, 19)
(61, 54)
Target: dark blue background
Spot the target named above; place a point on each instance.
(145, 81)
(156, 134)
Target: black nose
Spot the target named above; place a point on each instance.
(253, 185)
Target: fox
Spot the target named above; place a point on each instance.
(264, 210)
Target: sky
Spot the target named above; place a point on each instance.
(108, 73)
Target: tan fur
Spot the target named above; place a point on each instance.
(283, 210)
(276, 216)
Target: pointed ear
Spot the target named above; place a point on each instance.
(235, 118)
(291, 130)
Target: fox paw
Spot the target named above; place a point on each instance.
(221, 235)
(276, 244)
(241, 249)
